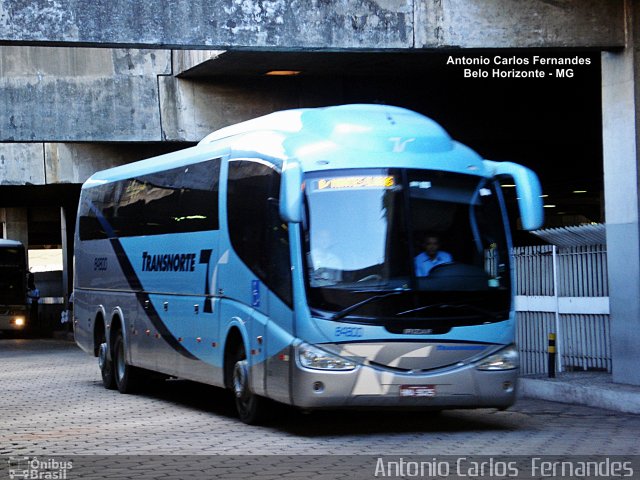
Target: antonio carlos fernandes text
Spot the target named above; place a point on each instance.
(537, 468)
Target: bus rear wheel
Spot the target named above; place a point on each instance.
(250, 407)
(126, 376)
(106, 367)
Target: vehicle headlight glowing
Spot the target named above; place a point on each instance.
(318, 359)
(505, 359)
(19, 321)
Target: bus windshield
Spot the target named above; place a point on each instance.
(435, 239)
(12, 276)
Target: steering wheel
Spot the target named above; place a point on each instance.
(375, 276)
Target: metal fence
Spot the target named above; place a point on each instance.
(562, 291)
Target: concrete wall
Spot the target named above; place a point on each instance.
(59, 95)
(21, 163)
(67, 94)
(315, 23)
(108, 95)
(52, 94)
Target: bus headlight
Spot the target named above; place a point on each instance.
(505, 359)
(318, 359)
(18, 321)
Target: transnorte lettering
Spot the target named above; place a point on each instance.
(168, 262)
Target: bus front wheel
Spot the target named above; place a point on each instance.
(250, 407)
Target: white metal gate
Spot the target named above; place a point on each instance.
(562, 290)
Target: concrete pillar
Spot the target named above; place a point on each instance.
(67, 227)
(620, 114)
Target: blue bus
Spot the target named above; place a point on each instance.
(347, 256)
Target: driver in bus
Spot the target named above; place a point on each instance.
(431, 256)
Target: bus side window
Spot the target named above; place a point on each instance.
(178, 200)
(257, 233)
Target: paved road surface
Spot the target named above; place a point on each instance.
(53, 403)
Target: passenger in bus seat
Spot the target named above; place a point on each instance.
(431, 256)
(326, 265)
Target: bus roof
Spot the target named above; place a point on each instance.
(344, 123)
(345, 136)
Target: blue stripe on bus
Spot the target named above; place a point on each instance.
(143, 298)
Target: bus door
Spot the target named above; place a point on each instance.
(257, 277)
(280, 292)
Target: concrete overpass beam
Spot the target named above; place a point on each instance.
(527, 24)
(366, 24)
(56, 163)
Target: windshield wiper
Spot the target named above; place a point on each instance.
(346, 311)
(445, 306)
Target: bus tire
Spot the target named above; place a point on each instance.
(250, 407)
(106, 367)
(125, 375)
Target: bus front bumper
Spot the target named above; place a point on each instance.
(13, 322)
(365, 386)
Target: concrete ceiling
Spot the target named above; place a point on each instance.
(313, 63)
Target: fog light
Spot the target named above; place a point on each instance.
(507, 387)
(318, 387)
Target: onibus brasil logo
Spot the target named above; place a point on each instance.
(39, 468)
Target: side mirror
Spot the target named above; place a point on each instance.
(528, 191)
(291, 192)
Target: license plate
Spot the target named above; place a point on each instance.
(418, 391)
